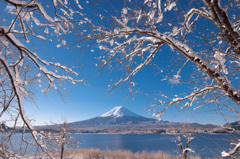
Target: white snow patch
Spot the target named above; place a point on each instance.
(124, 10)
(119, 111)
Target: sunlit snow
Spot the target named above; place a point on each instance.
(119, 111)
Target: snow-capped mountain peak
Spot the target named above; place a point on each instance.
(119, 111)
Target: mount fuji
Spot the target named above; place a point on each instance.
(119, 111)
(122, 120)
(117, 116)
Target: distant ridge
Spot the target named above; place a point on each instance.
(116, 116)
(122, 120)
(234, 125)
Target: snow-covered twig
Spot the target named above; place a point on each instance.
(185, 150)
(212, 54)
(33, 21)
(232, 152)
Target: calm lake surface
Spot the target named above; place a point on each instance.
(205, 145)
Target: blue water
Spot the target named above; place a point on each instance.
(205, 145)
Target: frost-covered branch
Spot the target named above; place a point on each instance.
(193, 11)
(20, 67)
(203, 33)
(193, 95)
(15, 86)
(156, 37)
(138, 34)
(222, 21)
(185, 150)
(233, 152)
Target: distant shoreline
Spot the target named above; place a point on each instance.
(153, 131)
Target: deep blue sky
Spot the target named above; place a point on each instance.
(91, 100)
(87, 101)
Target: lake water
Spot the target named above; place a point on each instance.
(205, 145)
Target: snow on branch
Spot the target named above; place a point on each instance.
(138, 68)
(185, 150)
(222, 21)
(36, 59)
(193, 11)
(156, 37)
(15, 87)
(33, 22)
(132, 44)
(193, 96)
(233, 152)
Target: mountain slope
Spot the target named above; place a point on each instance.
(122, 120)
(116, 116)
(235, 125)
